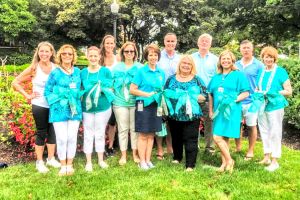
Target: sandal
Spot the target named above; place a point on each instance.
(160, 157)
(248, 158)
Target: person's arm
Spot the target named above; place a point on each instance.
(242, 96)
(210, 106)
(21, 78)
(135, 91)
(201, 98)
(287, 88)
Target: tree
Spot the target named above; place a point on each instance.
(15, 19)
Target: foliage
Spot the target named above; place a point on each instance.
(166, 181)
(16, 121)
(292, 114)
(19, 59)
(15, 18)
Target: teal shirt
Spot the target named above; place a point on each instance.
(89, 82)
(122, 78)
(149, 80)
(280, 77)
(225, 89)
(176, 94)
(62, 92)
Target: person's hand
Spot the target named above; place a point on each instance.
(151, 93)
(33, 95)
(210, 114)
(201, 98)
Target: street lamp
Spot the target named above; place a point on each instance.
(114, 7)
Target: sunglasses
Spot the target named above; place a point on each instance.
(132, 52)
(66, 53)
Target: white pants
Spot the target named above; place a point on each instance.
(125, 120)
(66, 138)
(94, 125)
(270, 126)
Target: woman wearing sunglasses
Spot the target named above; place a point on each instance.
(124, 103)
(62, 92)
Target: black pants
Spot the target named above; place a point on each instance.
(44, 129)
(185, 133)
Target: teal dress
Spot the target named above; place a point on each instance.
(122, 78)
(224, 89)
(62, 92)
(98, 93)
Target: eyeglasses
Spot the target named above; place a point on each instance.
(132, 52)
(66, 53)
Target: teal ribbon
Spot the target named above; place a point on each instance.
(227, 102)
(260, 101)
(157, 97)
(122, 80)
(182, 96)
(96, 91)
(66, 97)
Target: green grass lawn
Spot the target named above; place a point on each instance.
(167, 181)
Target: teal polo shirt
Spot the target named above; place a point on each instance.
(149, 80)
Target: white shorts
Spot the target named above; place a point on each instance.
(250, 118)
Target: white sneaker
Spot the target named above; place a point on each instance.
(143, 166)
(62, 171)
(40, 166)
(89, 167)
(150, 165)
(272, 167)
(70, 170)
(53, 163)
(103, 164)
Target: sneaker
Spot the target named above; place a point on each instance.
(143, 166)
(89, 167)
(150, 165)
(62, 171)
(272, 167)
(189, 169)
(175, 161)
(103, 164)
(110, 152)
(70, 170)
(53, 163)
(40, 166)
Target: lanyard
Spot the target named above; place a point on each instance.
(270, 80)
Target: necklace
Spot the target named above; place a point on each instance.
(67, 70)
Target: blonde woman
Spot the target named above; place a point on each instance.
(63, 94)
(108, 59)
(183, 94)
(96, 106)
(226, 91)
(124, 103)
(41, 66)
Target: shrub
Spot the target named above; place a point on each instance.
(19, 59)
(292, 114)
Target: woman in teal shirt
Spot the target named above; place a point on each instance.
(183, 94)
(147, 85)
(62, 92)
(124, 103)
(96, 106)
(226, 91)
(269, 100)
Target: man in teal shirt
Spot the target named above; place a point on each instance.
(206, 64)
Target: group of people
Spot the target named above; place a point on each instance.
(165, 97)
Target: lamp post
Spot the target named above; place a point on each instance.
(114, 7)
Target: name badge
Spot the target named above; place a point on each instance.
(159, 111)
(220, 89)
(140, 106)
(72, 85)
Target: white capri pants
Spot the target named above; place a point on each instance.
(270, 127)
(66, 138)
(94, 125)
(125, 120)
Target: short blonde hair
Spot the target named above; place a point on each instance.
(223, 53)
(270, 51)
(60, 51)
(205, 35)
(190, 58)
